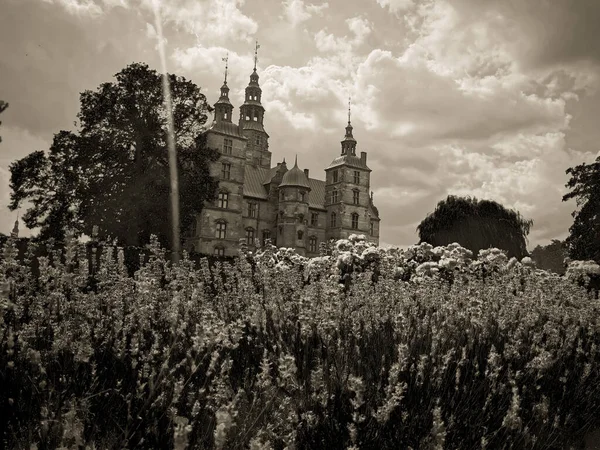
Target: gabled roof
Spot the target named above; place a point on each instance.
(228, 128)
(256, 178)
(253, 182)
(316, 196)
(348, 160)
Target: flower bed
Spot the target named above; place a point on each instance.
(360, 348)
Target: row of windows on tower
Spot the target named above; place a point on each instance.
(336, 177)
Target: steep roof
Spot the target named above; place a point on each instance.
(256, 177)
(228, 128)
(295, 177)
(348, 160)
(251, 125)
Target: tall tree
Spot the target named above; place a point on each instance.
(113, 172)
(583, 242)
(3, 106)
(476, 225)
(550, 257)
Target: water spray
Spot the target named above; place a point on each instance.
(176, 249)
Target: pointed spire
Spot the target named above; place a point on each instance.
(226, 59)
(348, 110)
(256, 55)
(296, 161)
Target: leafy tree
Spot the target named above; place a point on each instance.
(476, 225)
(3, 106)
(583, 242)
(550, 257)
(113, 172)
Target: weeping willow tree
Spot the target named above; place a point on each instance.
(476, 225)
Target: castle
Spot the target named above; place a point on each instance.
(256, 202)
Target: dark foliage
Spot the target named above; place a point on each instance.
(113, 172)
(583, 242)
(476, 225)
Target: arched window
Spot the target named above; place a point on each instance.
(221, 230)
(333, 219)
(312, 244)
(300, 234)
(219, 250)
(223, 199)
(354, 221)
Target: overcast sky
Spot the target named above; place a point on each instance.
(488, 98)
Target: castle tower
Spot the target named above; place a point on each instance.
(349, 206)
(223, 107)
(251, 122)
(292, 216)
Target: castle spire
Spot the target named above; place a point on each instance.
(348, 110)
(226, 59)
(349, 143)
(256, 55)
(15, 231)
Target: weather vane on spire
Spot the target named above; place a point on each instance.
(348, 109)
(256, 55)
(226, 59)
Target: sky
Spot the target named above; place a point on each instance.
(494, 99)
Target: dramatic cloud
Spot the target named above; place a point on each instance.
(296, 11)
(488, 98)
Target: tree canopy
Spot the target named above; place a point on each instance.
(476, 225)
(583, 242)
(113, 173)
(3, 106)
(550, 257)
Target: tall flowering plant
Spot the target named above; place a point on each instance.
(361, 347)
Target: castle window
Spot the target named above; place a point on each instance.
(252, 209)
(333, 219)
(334, 196)
(266, 234)
(225, 115)
(223, 200)
(221, 231)
(250, 236)
(225, 171)
(356, 177)
(354, 221)
(282, 196)
(257, 140)
(300, 234)
(312, 244)
(255, 118)
(219, 251)
(314, 219)
(355, 196)
(302, 196)
(247, 117)
(335, 176)
(227, 146)
(372, 228)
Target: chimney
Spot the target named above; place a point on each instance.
(363, 157)
(306, 172)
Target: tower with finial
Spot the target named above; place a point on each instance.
(294, 191)
(252, 121)
(15, 231)
(347, 187)
(223, 107)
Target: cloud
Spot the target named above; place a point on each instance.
(396, 6)
(296, 11)
(81, 8)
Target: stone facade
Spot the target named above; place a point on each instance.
(256, 201)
